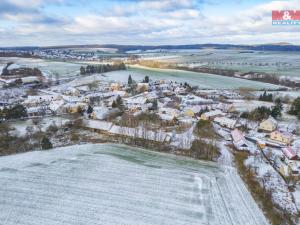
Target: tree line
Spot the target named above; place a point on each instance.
(14, 112)
(103, 68)
(23, 71)
(266, 97)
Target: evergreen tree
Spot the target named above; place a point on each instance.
(90, 109)
(5, 72)
(257, 114)
(46, 143)
(119, 103)
(276, 110)
(82, 70)
(146, 80)
(295, 108)
(263, 96)
(129, 80)
(114, 104)
(270, 98)
(155, 105)
(5, 135)
(266, 97)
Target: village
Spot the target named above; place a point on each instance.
(174, 115)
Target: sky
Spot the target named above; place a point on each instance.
(143, 22)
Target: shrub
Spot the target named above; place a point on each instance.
(295, 108)
(204, 129)
(204, 150)
(46, 143)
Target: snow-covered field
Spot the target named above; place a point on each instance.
(70, 69)
(202, 80)
(49, 68)
(283, 64)
(116, 184)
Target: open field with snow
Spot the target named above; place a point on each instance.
(278, 63)
(203, 80)
(116, 184)
(49, 68)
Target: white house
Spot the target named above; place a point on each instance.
(194, 100)
(72, 91)
(101, 113)
(225, 122)
(136, 100)
(98, 125)
(294, 168)
(34, 111)
(211, 115)
(38, 99)
(169, 111)
(56, 106)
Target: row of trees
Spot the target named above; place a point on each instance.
(23, 71)
(14, 112)
(90, 69)
(266, 97)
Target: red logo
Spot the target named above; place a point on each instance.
(286, 15)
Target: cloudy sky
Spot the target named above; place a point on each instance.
(58, 22)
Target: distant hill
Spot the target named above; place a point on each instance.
(279, 43)
(282, 46)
